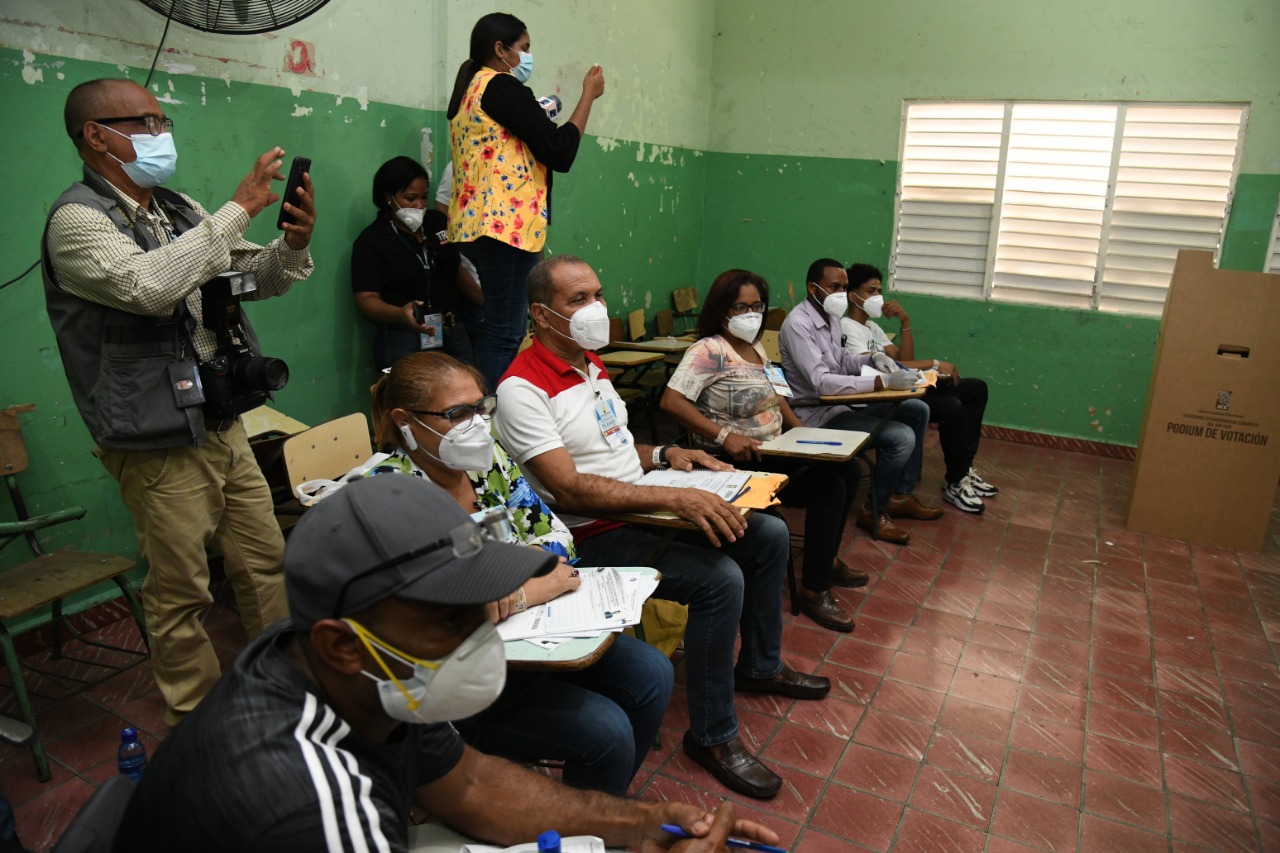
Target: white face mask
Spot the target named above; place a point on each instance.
(588, 327)
(457, 686)
(745, 326)
(873, 305)
(468, 447)
(155, 158)
(411, 217)
(835, 304)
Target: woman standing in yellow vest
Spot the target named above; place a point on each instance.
(504, 148)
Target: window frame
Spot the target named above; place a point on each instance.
(998, 203)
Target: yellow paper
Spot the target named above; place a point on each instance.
(762, 491)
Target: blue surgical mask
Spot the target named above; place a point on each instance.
(155, 161)
(524, 70)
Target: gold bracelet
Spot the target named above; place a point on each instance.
(521, 603)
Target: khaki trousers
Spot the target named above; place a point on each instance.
(184, 500)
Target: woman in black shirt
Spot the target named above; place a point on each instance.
(405, 275)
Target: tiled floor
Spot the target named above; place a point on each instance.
(1037, 678)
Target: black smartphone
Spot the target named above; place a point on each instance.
(300, 165)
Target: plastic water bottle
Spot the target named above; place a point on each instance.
(131, 757)
(549, 842)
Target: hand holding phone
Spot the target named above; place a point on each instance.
(300, 165)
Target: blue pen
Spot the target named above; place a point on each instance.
(732, 842)
(828, 443)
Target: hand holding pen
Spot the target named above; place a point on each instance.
(682, 828)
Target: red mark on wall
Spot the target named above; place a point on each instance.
(300, 59)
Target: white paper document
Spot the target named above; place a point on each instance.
(607, 600)
(922, 380)
(726, 484)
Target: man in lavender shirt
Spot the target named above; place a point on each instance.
(816, 363)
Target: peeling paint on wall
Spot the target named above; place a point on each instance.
(30, 74)
(299, 111)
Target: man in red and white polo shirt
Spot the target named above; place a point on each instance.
(561, 419)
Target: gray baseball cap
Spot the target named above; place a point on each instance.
(396, 535)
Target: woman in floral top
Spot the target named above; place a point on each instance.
(600, 721)
(722, 396)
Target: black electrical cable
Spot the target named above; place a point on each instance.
(167, 21)
(20, 276)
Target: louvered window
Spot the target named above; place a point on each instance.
(1081, 205)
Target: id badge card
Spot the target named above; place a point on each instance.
(779, 382)
(607, 419)
(433, 339)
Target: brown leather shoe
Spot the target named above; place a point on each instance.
(736, 768)
(842, 574)
(823, 608)
(787, 682)
(889, 531)
(907, 506)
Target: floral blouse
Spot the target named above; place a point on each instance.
(728, 390)
(500, 188)
(503, 485)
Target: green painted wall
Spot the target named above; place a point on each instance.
(632, 209)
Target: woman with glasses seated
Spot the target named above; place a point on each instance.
(601, 720)
(723, 394)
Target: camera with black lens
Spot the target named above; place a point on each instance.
(236, 379)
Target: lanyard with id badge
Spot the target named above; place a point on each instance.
(773, 372)
(606, 416)
(433, 339)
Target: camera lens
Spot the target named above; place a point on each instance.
(260, 373)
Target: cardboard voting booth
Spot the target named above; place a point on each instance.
(1209, 453)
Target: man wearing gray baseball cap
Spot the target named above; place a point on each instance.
(330, 725)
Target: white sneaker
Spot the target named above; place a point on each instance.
(980, 487)
(962, 495)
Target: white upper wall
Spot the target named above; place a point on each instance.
(656, 55)
(827, 78)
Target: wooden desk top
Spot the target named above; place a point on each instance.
(821, 445)
(629, 358)
(870, 397)
(662, 345)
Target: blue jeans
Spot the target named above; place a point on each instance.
(734, 589)
(600, 721)
(899, 446)
(503, 270)
(392, 344)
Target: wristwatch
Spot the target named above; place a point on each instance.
(660, 457)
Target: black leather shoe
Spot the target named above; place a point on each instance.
(823, 608)
(788, 682)
(735, 767)
(842, 574)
